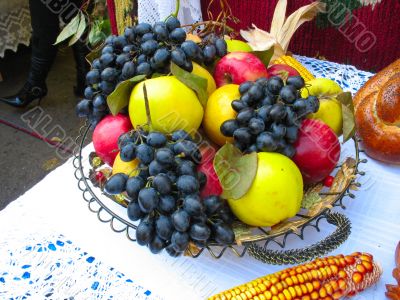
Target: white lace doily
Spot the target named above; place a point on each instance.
(151, 11)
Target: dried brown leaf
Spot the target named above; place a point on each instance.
(279, 17)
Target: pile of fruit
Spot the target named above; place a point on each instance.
(207, 133)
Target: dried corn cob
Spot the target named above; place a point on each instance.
(122, 14)
(294, 63)
(331, 277)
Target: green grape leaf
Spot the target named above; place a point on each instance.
(79, 31)
(195, 82)
(119, 98)
(310, 199)
(69, 30)
(349, 126)
(265, 56)
(235, 171)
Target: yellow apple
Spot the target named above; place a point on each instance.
(275, 194)
(236, 45)
(129, 168)
(330, 109)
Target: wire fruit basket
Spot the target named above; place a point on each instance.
(256, 241)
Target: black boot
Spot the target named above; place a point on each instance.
(80, 50)
(35, 87)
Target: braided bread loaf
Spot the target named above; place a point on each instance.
(377, 114)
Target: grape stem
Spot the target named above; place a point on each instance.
(215, 23)
(175, 14)
(146, 103)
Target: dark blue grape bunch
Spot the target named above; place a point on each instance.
(269, 114)
(164, 197)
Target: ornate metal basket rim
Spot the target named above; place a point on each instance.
(217, 251)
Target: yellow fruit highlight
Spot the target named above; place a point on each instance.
(275, 195)
(173, 105)
(200, 71)
(127, 168)
(218, 110)
(330, 109)
(237, 45)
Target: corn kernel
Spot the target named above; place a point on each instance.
(314, 295)
(289, 281)
(268, 295)
(304, 289)
(357, 277)
(367, 265)
(281, 296)
(309, 287)
(323, 292)
(316, 285)
(298, 290)
(274, 290)
(292, 291)
(288, 295)
(295, 280)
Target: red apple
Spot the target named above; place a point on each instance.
(317, 150)
(238, 67)
(283, 71)
(213, 186)
(106, 134)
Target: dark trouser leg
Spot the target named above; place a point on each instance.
(45, 28)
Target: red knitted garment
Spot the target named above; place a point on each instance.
(382, 23)
(111, 14)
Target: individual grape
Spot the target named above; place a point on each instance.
(246, 99)
(292, 133)
(267, 100)
(172, 23)
(96, 64)
(134, 211)
(116, 184)
(262, 81)
(162, 184)
(242, 147)
(256, 125)
(275, 84)
(186, 167)
(188, 149)
(156, 245)
(156, 168)
(164, 227)
(281, 144)
(172, 176)
(84, 108)
(201, 218)
(278, 130)
(202, 179)
(107, 60)
(266, 143)
(122, 59)
(255, 92)
(93, 76)
(149, 47)
(188, 66)
(181, 220)
(288, 94)
(107, 87)
(145, 153)
(221, 46)
(229, 127)
(172, 252)
(209, 53)
(180, 135)
(199, 232)
(190, 48)
(238, 105)
(128, 152)
(242, 135)
(192, 205)
(312, 103)
(124, 139)
(144, 232)
(244, 116)
(148, 36)
(107, 49)
(109, 74)
(161, 56)
(178, 57)
(142, 28)
(212, 204)
(148, 199)
(245, 86)
(133, 186)
(128, 70)
(223, 234)
(167, 204)
(156, 139)
(180, 240)
(278, 112)
(109, 40)
(161, 31)
(143, 69)
(226, 215)
(178, 35)
(291, 117)
(187, 184)
(129, 34)
(141, 59)
(299, 104)
(296, 81)
(165, 156)
(251, 148)
(119, 42)
(288, 151)
(264, 113)
(143, 171)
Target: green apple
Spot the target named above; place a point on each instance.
(330, 109)
(236, 45)
(275, 194)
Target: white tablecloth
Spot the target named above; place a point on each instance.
(55, 206)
